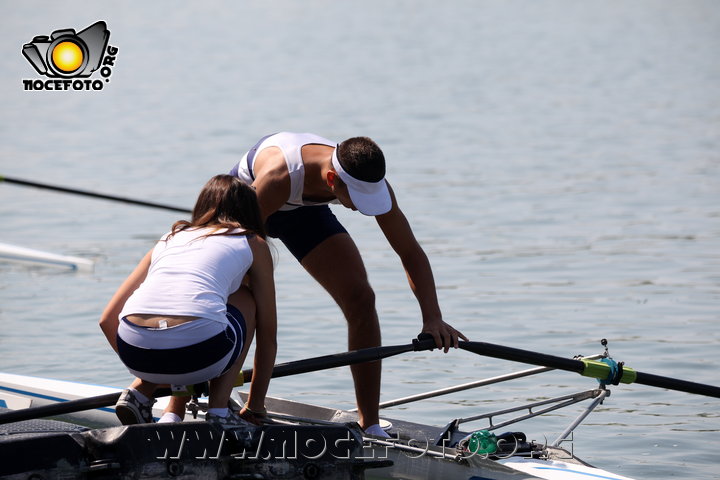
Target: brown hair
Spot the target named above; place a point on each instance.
(362, 159)
(225, 202)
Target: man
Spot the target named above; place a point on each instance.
(296, 176)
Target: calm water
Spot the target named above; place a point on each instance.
(558, 161)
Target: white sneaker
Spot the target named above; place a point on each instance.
(231, 420)
(377, 431)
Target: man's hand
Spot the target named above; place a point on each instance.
(445, 335)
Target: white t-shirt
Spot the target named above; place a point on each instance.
(192, 275)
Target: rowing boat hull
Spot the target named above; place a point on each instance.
(198, 449)
(287, 449)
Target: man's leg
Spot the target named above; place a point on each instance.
(336, 264)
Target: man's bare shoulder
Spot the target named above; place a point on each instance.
(272, 180)
(270, 164)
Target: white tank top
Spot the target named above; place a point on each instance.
(192, 275)
(291, 146)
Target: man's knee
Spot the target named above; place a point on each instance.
(358, 302)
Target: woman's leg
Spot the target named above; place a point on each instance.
(176, 406)
(221, 387)
(144, 387)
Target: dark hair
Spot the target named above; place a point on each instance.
(362, 158)
(225, 202)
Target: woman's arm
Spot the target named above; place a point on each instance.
(263, 289)
(109, 319)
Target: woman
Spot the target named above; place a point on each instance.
(183, 316)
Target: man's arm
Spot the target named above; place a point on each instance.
(417, 267)
(272, 181)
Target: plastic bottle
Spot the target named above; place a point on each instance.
(482, 442)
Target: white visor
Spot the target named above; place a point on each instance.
(370, 198)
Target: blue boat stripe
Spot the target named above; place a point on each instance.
(32, 394)
(46, 397)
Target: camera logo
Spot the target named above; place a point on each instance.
(66, 55)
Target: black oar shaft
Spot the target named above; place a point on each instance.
(86, 193)
(571, 365)
(341, 359)
(61, 408)
(282, 370)
(71, 406)
(378, 353)
(677, 384)
(523, 356)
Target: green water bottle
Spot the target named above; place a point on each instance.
(482, 442)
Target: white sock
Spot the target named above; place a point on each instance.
(169, 417)
(220, 412)
(139, 396)
(377, 431)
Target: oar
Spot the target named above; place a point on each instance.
(590, 368)
(61, 408)
(76, 191)
(341, 359)
(281, 370)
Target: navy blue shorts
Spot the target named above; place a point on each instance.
(304, 228)
(149, 354)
